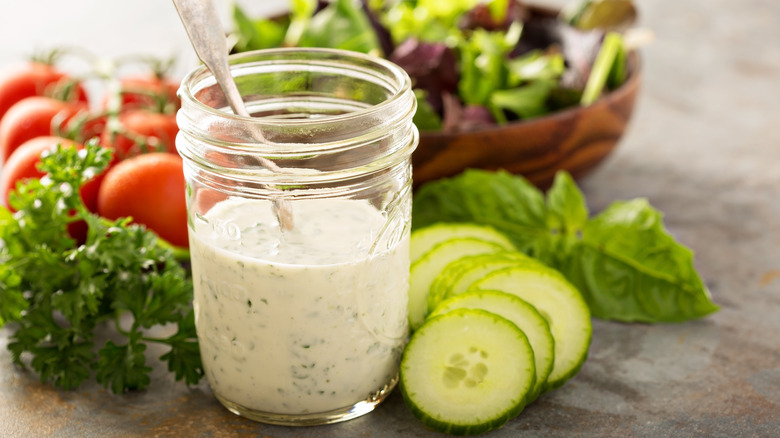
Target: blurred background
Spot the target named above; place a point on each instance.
(107, 29)
(113, 29)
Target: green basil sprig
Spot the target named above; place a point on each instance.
(623, 260)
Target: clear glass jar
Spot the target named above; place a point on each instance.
(305, 325)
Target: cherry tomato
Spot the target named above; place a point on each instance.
(149, 92)
(34, 117)
(149, 188)
(142, 131)
(32, 79)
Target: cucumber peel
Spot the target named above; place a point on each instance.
(467, 372)
(471, 297)
(457, 276)
(562, 306)
(424, 239)
(424, 271)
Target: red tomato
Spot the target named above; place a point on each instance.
(147, 92)
(33, 117)
(149, 188)
(22, 164)
(142, 131)
(31, 79)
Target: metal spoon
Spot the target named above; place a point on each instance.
(204, 29)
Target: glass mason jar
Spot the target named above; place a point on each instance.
(299, 220)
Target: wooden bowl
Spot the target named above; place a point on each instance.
(576, 139)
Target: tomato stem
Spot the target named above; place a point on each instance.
(181, 254)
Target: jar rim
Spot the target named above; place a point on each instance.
(201, 73)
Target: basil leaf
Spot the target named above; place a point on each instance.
(629, 268)
(566, 216)
(567, 210)
(623, 260)
(508, 203)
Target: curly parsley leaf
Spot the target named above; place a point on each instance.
(12, 301)
(184, 358)
(10, 295)
(62, 355)
(123, 367)
(57, 292)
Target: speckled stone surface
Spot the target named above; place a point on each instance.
(703, 147)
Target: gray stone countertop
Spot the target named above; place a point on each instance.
(703, 147)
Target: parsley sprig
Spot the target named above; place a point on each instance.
(62, 295)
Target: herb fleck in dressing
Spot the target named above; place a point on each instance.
(304, 322)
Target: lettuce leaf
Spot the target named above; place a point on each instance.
(341, 25)
(427, 20)
(257, 34)
(425, 118)
(623, 260)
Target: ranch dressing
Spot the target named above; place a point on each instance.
(302, 322)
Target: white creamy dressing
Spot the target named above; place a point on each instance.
(302, 323)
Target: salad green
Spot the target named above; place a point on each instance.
(473, 63)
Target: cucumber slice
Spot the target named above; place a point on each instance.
(522, 314)
(561, 305)
(466, 372)
(456, 277)
(424, 239)
(424, 270)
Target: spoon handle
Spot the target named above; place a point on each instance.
(204, 29)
